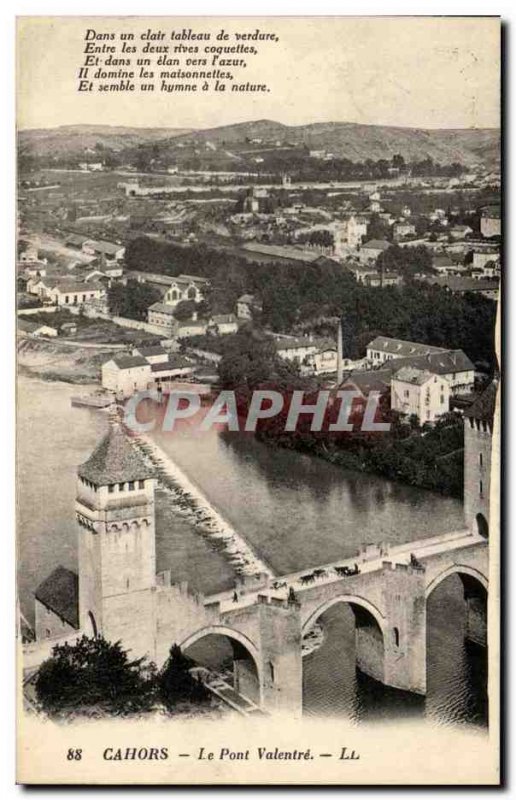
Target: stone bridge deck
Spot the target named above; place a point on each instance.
(371, 558)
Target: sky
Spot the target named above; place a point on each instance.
(425, 72)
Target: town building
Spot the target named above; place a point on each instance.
(323, 361)
(125, 374)
(485, 257)
(454, 365)
(28, 328)
(192, 327)
(66, 292)
(365, 381)
(287, 254)
(223, 324)
(369, 275)
(296, 349)
(185, 287)
(420, 393)
(56, 607)
(109, 250)
(444, 265)
(372, 249)
(384, 348)
(490, 221)
(402, 229)
(154, 354)
(489, 288)
(75, 240)
(348, 234)
(161, 315)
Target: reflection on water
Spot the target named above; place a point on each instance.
(456, 670)
(296, 510)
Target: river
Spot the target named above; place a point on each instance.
(295, 510)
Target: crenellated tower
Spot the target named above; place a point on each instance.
(117, 551)
(478, 442)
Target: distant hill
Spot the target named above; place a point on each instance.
(344, 139)
(72, 139)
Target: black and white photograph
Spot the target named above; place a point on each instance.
(259, 272)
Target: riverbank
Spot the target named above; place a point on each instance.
(51, 361)
(427, 458)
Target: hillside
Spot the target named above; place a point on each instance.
(248, 139)
(72, 139)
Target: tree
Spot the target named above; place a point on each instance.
(132, 300)
(94, 673)
(185, 310)
(176, 683)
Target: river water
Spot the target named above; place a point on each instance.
(295, 510)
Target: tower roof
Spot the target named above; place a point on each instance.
(483, 407)
(114, 460)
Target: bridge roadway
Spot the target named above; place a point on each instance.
(369, 559)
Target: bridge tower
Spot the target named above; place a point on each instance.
(478, 440)
(117, 561)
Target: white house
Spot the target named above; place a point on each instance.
(384, 348)
(74, 293)
(185, 287)
(421, 393)
(490, 221)
(322, 362)
(223, 324)
(292, 349)
(162, 316)
(110, 250)
(125, 374)
(192, 327)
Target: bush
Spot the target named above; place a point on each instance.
(94, 672)
(177, 684)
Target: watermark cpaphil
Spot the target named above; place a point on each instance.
(248, 411)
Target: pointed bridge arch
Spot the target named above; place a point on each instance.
(230, 633)
(456, 569)
(346, 599)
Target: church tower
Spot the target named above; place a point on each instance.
(117, 554)
(478, 441)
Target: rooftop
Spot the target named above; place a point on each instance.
(128, 362)
(286, 251)
(376, 244)
(413, 375)
(109, 248)
(177, 362)
(60, 593)
(483, 407)
(162, 308)
(155, 350)
(402, 348)
(114, 460)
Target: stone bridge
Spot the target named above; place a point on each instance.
(266, 619)
(388, 597)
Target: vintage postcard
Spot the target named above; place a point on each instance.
(259, 267)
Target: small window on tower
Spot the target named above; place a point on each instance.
(141, 484)
(480, 459)
(111, 488)
(120, 487)
(130, 486)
